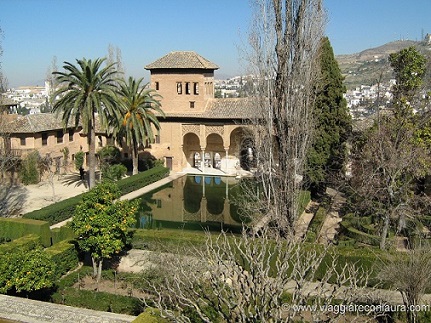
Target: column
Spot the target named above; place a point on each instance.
(203, 160)
(226, 158)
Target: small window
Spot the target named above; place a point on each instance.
(157, 86)
(196, 88)
(59, 137)
(99, 139)
(159, 203)
(179, 88)
(187, 87)
(192, 104)
(22, 141)
(44, 139)
(71, 132)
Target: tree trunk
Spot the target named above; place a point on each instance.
(99, 271)
(94, 267)
(384, 232)
(92, 155)
(97, 268)
(135, 159)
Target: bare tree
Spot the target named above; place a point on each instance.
(410, 274)
(284, 44)
(115, 57)
(249, 279)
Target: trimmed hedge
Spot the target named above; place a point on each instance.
(142, 179)
(56, 212)
(64, 255)
(150, 315)
(99, 301)
(63, 210)
(315, 225)
(14, 228)
(359, 236)
(304, 199)
(62, 233)
(28, 242)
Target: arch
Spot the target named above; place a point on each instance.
(214, 147)
(242, 147)
(191, 146)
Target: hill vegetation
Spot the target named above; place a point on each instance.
(365, 67)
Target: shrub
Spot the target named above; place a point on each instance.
(99, 301)
(109, 155)
(56, 212)
(29, 171)
(13, 228)
(27, 242)
(113, 172)
(64, 255)
(79, 159)
(61, 234)
(142, 179)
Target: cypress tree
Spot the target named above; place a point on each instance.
(327, 153)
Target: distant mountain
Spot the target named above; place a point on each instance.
(365, 68)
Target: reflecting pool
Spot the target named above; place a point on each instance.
(193, 202)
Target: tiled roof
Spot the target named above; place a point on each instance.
(33, 123)
(41, 122)
(183, 59)
(229, 108)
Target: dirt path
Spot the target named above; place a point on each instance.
(332, 222)
(303, 222)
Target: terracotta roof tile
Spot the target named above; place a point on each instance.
(183, 59)
(229, 108)
(40, 122)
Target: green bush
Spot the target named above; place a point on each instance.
(62, 233)
(79, 159)
(13, 228)
(29, 171)
(64, 255)
(113, 172)
(27, 242)
(315, 225)
(150, 315)
(98, 301)
(304, 199)
(56, 212)
(109, 155)
(142, 179)
(359, 236)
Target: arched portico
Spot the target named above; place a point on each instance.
(191, 150)
(241, 148)
(225, 148)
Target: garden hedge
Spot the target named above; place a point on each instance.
(27, 242)
(13, 228)
(65, 256)
(62, 233)
(142, 179)
(63, 210)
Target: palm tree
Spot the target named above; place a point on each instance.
(87, 90)
(140, 106)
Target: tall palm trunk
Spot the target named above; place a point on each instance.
(135, 159)
(92, 155)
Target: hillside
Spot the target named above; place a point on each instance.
(367, 66)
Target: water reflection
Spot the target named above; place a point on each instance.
(192, 202)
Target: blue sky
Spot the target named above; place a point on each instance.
(144, 30)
